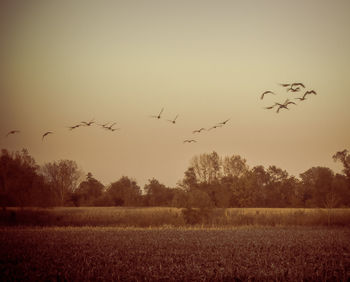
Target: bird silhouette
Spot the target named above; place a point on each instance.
(224, 122)
(284, 84)
(215, 126)
(266, 92)
(113, 129)
(74, 126)
(295, 84)
(198, 130)
(284, 105)
(301, 98)
(45, 134)
(104, 125)
(12, 132)
(310, 92)
(293, 89)
(271, 107)
(189, 141)
(159, 115)
(111, 126)
(172, 121)
(88, 123)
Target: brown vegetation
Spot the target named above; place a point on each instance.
(112, 254)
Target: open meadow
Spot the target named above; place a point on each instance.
(174, 254)
(175, 217)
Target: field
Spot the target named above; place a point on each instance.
(174, 254)
(148, 244)
(157, 217)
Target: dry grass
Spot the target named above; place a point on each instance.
(159, 216)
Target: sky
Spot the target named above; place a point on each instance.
(63, 62)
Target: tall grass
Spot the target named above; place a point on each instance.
(161, 216)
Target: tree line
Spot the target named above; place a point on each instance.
(209, 181)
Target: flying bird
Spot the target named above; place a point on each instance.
(158, 116)
(284, 105)
(104, 125)
(266, 92)
(215, 126)
(111, 127)
(224, 122)
(293, 89)
(12, 132)
(310, 92)
(198, 130)
(302, 98)
(74, 126)
(88, 123)
(172, 121)
(45, 134)
(190, 141)
(271, 107)
(285, 84)
(298, 84)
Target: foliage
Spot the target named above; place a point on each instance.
(209, 181)
(20, 183)
(89, 192)
(125, 192)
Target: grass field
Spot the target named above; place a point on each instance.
(155, 217)
(174, 254)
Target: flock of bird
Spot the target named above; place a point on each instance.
(290, 87)
(107, 126)
(220, 124)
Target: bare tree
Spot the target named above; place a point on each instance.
(63, 177)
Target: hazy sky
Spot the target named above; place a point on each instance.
(63, 62)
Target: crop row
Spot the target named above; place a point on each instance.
(105, 254)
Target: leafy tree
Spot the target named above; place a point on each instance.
(319, 180)
(125, 192)
(199, 199)
(89, 191)
(279, 188)
(344, 158)
(158, 194)
(20, 183)
(180, 198)
(63, 177)
(190, 180)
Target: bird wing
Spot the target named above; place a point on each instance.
(224, 122)
(285, 84)
(161, 111)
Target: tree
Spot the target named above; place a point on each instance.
(125, 192)
(279, 189)
(234, 166)
(207, 167)
(190, 180)
(88, 191)
(199, 199)
(63, 177)
(344, 158)
(20, 183)
(319, 181)
(158, 194)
